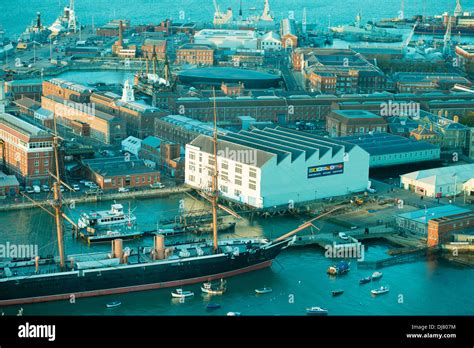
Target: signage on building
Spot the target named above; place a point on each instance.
(328, 169)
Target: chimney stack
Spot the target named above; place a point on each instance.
(159, 251)
(120, 40)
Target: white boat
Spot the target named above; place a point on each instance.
(114, 304)
(376, 275)
(234, 314)
(263, 290)
(106, 218)
(316, 311)
(180, 293)
(381, 290)
(207, 288)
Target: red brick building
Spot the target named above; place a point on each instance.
(439, 229)
(25, 150)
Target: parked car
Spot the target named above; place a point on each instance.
(45, 188)
(29, 189)
(76, 187)
(123, 189)
(36, 189)
(343, 236)
(87, 183)
(157, 185)
(371, 190)
(94, 192)
(93, 186)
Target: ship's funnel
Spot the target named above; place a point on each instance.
(159, 251)
(37, 264)
(117, 249)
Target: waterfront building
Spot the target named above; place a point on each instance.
(289, 37)
(389, 150)
(468, 189)
(195, 54)
(228, 39)
(131, 145)
(18, 89)
(440, 229)
(277, 167)
(115, 172)
(26, 150)
(354, 122)
(67, 90)
(9, 185)
(438, 182)
(416, 222)
(104, 127)
(181, 129)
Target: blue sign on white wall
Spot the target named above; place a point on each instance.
(328, 169)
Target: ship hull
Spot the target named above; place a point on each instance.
(133, 278)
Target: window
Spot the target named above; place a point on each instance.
(238, 169)
(225, 165)
(237, 193)
(224, 189)
(238, 180)
(252, 172)
(37, 171)
(191, 177)
(137, 180)
(36, 163)
(192, 155)
(252, 185)
(46, 163)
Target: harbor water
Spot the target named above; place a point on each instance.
(298, 276)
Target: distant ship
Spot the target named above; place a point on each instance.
(462, 24)
(369, 33)
(227, 18)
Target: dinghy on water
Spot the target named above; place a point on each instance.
(114, 304)
(234, 314)
(316, 311)
(365, 280)
(180, 293)
(337, 292)
(376, 275)
(263, 291)
(212, 306)
(381, 290)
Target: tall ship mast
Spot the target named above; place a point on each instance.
(128, 270)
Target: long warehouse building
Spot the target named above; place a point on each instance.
(277, 166)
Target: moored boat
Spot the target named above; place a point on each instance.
(106, 218)
(365, 280)
(316, 311)
(341, 267)
(263, 290)
(114, 304)
(376, 275)
(180, 293)
(381, 290)
(337, 292)
(234, 314)
(208, 289)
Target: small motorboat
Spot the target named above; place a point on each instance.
(341, 267)
(337, 292)
(381, 290)
(365, 280)
(114, 304)
(263, 291)
(234, 314)
(376, 275)
(316, 311)
(212, 306)
(180, 293)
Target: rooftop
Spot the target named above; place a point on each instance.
(22, 126)
(357, 114)
(443, 175)
(425, 215)
(114, 166)
(385, 143)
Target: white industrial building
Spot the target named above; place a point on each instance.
(229, 39)
(270, 41)
(277, 166)
(131, 145)
(438, 182)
